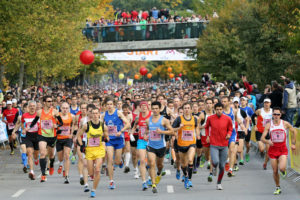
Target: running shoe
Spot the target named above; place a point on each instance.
(92, 178)
(93, 194)
(283, 174)
(157, 179)
(247, 157)
(51, 171)
(277, 191)
(36, 162)
(112, 185)
(103, 169)
(25, 170)
(59, 169)
(163, 172)
(149, 182)
(67, 181)
(121, 165)
(195, 171)
(230, 173)
(47, 172)
(136, 175)
(31, 176)
(81, 181)
(43, 178)
(202, 162)
(12, 152)
(208, 165)
(236, 168)
(182, 178)
(219, 187)
(73, 160)
(186, 181)
(154, 189)
(167, 156)
(227, 167)
(190, 184)
(15, 144)
(210, 178)
(241, 162)
(86, 188)
(127, 169)
(177, 174)
(265, 166)
(145, 187)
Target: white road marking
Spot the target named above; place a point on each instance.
(170, 189)
(168, 172)
(18, 193)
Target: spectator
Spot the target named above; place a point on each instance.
(145, 15)
(298, 100)
(154, 13)
(276, 95)
(289, 100)
(134, 14)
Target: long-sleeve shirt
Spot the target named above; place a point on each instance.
(217, 128)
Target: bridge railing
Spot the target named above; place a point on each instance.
(140, 32)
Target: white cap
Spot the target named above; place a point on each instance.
(8, 102)
(14, 101)
(267, 100)
(245, 98)
(236, 99)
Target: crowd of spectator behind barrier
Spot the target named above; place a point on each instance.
(123, 17)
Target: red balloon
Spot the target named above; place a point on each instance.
(87, 57)
(176, 79)
(180, 74)
(143, 71)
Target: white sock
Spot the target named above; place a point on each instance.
(31, 171)
(61, 163)
(127, 158)
(81, 176)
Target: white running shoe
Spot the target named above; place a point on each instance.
(219, 187)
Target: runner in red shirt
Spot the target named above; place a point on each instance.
(278, 151)
(10, 117)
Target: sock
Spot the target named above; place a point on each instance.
(184, 169)
(61, 163)
(11, 146)
(198, 159)
(111, 181)
(51, 162)
(43, 163)
(24, 159)
(127, 158)
(81, 176)
(195, 160)
(86, 185)
(220, 177)
(230, 169)
(190, 171)
(31, 171)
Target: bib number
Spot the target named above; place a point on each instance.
(46, 124)
(112, 130)
(94, 142)
(278, 136)
(142, 131)
(65, 130)
(11, 126)
(154, 136)
(187, 135)
(33, 129)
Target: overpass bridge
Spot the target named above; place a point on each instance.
(141, 37)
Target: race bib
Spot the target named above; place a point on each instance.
(142, 131)
(46, 124)
(265, 121)
(278, 136)
(94, 142)
(65, 130)
(11, 126)
(154, 136)
(187, 135)
(112, 130)
(33, 129)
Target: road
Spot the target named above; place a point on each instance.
(250, 183)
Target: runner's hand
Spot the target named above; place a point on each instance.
(227, 137)
(118, 134)
(207, 140)
(293, 147)
(158, 131)
(270, 142)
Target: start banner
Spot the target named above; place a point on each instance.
(162, 55)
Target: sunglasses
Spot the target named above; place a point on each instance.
(48, 101)
(276, 114)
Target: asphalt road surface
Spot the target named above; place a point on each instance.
(250, 183)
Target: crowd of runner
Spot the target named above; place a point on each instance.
(192, 125)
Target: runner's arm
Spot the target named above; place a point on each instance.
(125, 121)
(80, 133)
(266, 131)
(18, 124)
(166, 123)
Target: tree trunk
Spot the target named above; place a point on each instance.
(21, 75)
(2, 68)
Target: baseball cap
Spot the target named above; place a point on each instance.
(14, 101)
(267, 100)
(8, 102)
(244, 98)
(236, 99)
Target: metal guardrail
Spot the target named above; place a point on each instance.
(140, 32)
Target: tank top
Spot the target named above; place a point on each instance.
(231, 115)
(263, 119)
(74, 112)
(239, 116)
(187, 134)
(81, 121)
(66, 128)
(278, 134)
(202, 131)
(142, 125)
(46, 125)
(156, 141)
(114, 124)
(165, 114)
(94, 136)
